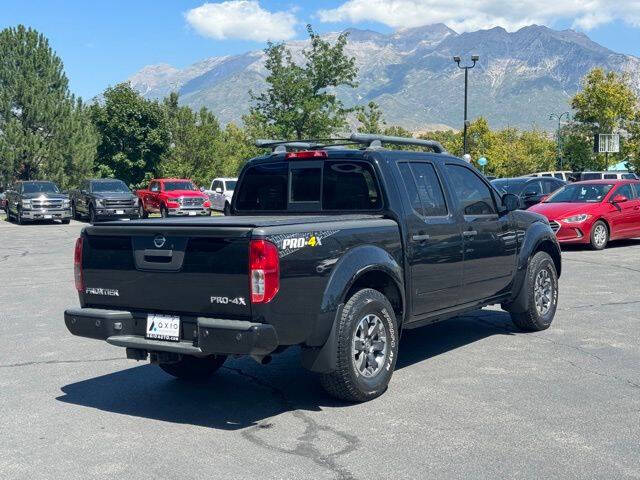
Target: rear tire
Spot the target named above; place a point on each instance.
(599, 235)
(66, 221)
(19, 219)
(541, 283)
(74, 212)
(164, 213)
(227, 209)
(92, 215)
(367, 348)
(142, 212)
(194, 368)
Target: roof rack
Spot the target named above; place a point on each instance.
(370, 140)
(376, 141)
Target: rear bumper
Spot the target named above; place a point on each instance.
(209, 335)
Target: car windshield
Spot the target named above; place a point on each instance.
(40, 187)
(581, 193)
(179, 185)
(509, 185)
(111, 186)
(231, 184)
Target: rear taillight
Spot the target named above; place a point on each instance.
(77, 266)
(264, 271)
(206, 204)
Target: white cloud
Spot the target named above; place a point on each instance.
(241, 19)
(466, 15)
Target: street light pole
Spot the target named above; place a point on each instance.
(474, 59)
(559, 117)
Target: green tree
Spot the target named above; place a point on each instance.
(299, 100)
(605, 104)
(577, 148)
(195, 138)
(370, 118)
(134, 135)
(44, 130)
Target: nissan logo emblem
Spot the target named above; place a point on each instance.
(159, 241)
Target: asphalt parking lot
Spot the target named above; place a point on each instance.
(471, 397)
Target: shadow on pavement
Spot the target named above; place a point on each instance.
(243, 393)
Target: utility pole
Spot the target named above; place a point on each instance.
(559, 116)
(474, 59)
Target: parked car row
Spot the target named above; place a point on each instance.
(569, 176)
(111, 199)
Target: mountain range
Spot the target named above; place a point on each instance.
(521, 78)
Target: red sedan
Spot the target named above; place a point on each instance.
(594, 212)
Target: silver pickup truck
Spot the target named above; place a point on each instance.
(37, 200)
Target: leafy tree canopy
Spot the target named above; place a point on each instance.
(134, 135)
(44, 130)
(300, 101)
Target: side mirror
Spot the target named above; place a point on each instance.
(218, 190)
(619, 199)
(511, 202)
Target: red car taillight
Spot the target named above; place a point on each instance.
(264, 271)
(206, 204)
(77, 266)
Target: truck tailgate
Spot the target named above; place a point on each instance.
(171, 269)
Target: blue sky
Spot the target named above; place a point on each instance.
(104, 42)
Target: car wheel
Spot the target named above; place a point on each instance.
(367, 348)
(66, 221)
(164, 212)
(227, 208)
(599, 235)
(74, 212)
(194, 368)
(541, 282)
(19, 219)
(92, 214)
(141, 211)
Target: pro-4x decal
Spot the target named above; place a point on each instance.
(288, 243)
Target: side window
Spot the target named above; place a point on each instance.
(472, 193)
(625, 190)
(429, 189)
(154, 187)
(532, 188)
(610, 176)
(411, 187)
(559, 175)
(549, 186)
(546, 174)
(217, 184)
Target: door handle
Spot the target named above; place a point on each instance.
(420, 238)
(469, 233)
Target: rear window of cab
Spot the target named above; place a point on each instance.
(309, 186)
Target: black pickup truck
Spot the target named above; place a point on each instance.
(337, 250)
(103, 199)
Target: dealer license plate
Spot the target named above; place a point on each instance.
(119, 212)
(163, 327)
(48, 217)
(192, 214)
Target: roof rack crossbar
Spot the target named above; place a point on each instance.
(377, 140)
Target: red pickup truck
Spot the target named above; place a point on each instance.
(173, 197)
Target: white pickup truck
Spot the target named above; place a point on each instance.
(220, 193)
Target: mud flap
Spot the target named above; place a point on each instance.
(323, 359)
